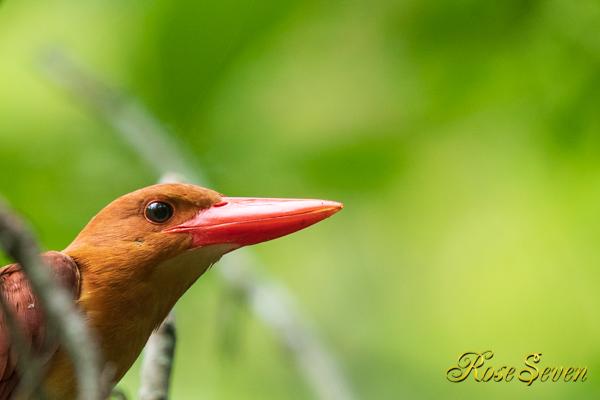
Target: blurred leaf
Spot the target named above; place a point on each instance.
(188, 46)
(360, 166)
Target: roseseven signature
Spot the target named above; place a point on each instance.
(471, 361)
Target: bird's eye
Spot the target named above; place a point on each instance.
(159, 212)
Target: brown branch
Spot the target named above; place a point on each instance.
(62, 316)
(270, 301)
(157, 362)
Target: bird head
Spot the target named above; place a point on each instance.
(158, 240)
(160, 222)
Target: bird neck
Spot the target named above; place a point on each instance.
(125, 303)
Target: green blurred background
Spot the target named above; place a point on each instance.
(462, 136)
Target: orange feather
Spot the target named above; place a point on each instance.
(134, 260)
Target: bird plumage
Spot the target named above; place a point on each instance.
(132, 262)
(29, 314)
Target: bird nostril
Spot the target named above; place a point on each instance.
(220, 204)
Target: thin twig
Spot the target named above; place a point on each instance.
(270, 301)
(157, 362)
(62, 316)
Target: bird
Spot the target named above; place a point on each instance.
(131, 263)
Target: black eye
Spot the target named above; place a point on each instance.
(159, 212)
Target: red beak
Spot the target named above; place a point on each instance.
(245, 221)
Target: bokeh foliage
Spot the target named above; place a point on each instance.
(463, 137)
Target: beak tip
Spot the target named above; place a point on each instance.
(331, 207)
(338, 206)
